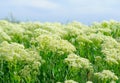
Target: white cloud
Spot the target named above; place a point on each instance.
(93, 3)
(93, 6)
(45, 4)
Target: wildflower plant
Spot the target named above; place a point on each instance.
(18, 64)
(34, 52)
(106, 76)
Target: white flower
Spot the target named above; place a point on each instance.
(70, 81)
(78, 62)
(55, 44)
(89, 82)
(106, 75)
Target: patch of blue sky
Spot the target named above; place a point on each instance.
(86, 11)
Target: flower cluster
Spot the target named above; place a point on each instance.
(89, 82)
(70, 81)
(55, 44)
(110, 48)
(20, 60)
(78, 62)
(106, 75)
(4, 36)
(54, 28)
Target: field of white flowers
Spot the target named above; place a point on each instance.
(34, 52)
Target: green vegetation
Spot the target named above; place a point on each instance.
(34, 52)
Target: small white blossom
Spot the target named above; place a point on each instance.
(106, 75)
(78, 62)
(70, 81)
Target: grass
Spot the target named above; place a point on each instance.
(34, 52)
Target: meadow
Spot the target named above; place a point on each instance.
(34, 52)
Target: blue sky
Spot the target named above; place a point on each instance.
(85, 11)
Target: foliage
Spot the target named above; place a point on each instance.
(34, 52)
